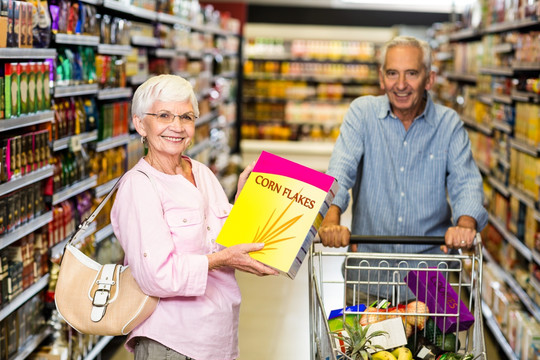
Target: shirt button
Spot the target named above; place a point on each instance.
(430, 156)
(402, 169)
(400, 219)
(208, 228)
(402, 194)
(185, 220)
(145, 255)
(404, 143)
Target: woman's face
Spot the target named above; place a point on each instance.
(168, 127)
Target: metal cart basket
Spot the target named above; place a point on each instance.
(387, 276)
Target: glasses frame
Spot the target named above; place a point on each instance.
(181, 117)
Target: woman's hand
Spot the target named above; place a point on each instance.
(237, 257)
(243, 178)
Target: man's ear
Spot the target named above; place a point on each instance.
(381, 79)
(430, 80)
(139, 125)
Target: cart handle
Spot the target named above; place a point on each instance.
(378, 239)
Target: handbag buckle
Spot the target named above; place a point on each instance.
(101, 297)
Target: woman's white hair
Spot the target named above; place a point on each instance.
(407, 41)
(163, 88)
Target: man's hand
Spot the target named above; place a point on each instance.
(460, 236)
(333, 234)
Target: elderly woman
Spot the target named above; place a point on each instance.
(167, 214)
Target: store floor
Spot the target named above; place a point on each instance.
(274, 318)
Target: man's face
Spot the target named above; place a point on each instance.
(404, 79)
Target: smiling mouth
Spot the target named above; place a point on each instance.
(173, 139)
(402, 95)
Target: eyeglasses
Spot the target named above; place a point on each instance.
(165, 116)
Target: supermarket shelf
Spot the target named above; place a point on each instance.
(514, 241)
(76, 39)
(497, 333)
(524, 147)
(535, 284)
(536, 256)
(465, 34)
(112, 142)
(100, 345)
(75, 189)
(83, 139)
(515, 287)
(138, 79)
(30, 178)
(32, 343)
(526, 66)
(104, 189)
(76, 90)
(130, 9)
(200, 147)
(315, 155)
(485, 99)
(24, 296)
(511, 25)
(111, 49)
(26, 120)
(497, 71)
(21, 53)
(103, 233)
(499, 186)
(503, 48)
(25, 229)
(138, 40)
(483, 128)
(525, 96)
(114, 93)
(165, 53)
(502, 126)
(505, 99)
(472, 78)
(522, 196)
(206, 118)
(58, 249)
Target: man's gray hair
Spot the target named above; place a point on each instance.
(407, 41)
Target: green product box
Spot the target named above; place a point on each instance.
(32, 105)
(7, 91)
(22, 72)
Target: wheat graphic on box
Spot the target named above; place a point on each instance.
(271, 235)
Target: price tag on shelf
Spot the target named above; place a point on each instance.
(75, 143)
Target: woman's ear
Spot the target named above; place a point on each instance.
(139, 125)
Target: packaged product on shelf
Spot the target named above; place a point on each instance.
(2, 96)
(41, 25)
(22, 72)
(3, 23)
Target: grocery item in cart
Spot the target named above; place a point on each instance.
(431, 287)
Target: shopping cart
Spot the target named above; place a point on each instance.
(383, 276)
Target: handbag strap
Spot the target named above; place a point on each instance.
(84, 225)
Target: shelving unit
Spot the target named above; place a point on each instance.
(296, 91)
(215, 80)
(487, 91)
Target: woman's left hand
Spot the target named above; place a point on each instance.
(238, 257)
(243, 177)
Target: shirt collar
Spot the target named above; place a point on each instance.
(427, 114)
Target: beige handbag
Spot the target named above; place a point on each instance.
(99, 299)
